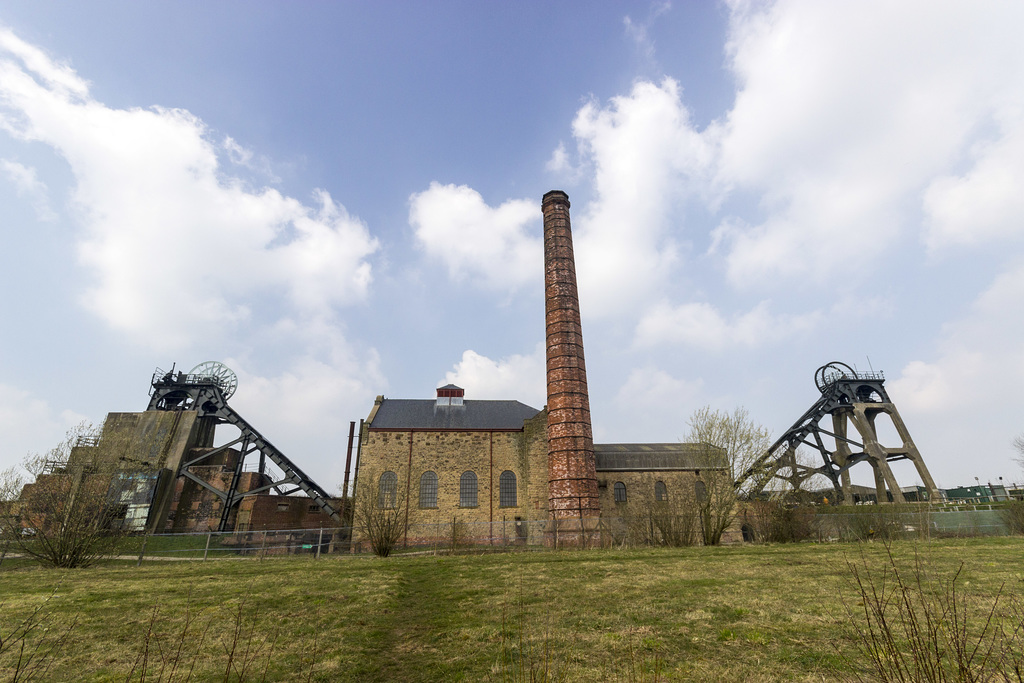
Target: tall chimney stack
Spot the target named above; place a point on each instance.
(572, 478)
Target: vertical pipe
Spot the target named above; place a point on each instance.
(348, 465)
(359, 450)
(491, 524)
(408, 489)
(572, 476)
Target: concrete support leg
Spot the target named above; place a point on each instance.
(912, 453)
(877, 456)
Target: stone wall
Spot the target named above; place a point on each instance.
(640, 488)
(450, 454)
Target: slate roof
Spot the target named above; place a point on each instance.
(412, 413)
(613, 457)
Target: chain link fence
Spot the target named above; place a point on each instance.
(510, 534)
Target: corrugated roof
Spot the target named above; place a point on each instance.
(612, 457)
(413, 413)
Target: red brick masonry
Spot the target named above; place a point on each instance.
(572, 478)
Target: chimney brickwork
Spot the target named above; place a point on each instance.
(572, 478)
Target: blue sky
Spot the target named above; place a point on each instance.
(343, 200)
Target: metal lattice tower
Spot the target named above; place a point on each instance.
(847, 397)
(205, 394)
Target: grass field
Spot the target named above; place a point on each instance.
(740, 613)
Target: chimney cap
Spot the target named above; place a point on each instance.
(555, 197)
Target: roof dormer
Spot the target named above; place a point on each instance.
(450, 395)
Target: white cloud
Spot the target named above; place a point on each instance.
(847, 113)
(167, 234)
(519, 377)
(61, 78)
(29, 425)
(965, 403)
(653, 403)
(309, 402)
(559, 162)
(984, 203)
(646, 159)
(701, 325)
(499, 248)
(245, 157)
(639, 32)
(28, 185)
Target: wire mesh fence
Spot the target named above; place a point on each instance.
(511, 534)
(924, 523)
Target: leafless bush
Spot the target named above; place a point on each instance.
(28, 647)
(380, 518)
(913, 626)
(170, 657)
(881, 524)
(72, 513)
(775, 522)
(1013, 516)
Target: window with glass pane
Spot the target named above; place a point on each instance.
(388, 490)
(660, 491)
(428, 490)
(507, 489)
(467, 490)
(620, 492)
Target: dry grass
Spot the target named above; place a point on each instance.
(750, 613)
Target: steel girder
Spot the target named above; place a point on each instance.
(178, 391)
(847, 396)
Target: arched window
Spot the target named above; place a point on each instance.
(467, 490)
(388, 490)
(507, 489)
(428, 490)
(660, 491)
(701, 490)
(620, 492)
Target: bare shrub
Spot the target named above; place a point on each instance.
(28, 647)
(380, 519)
(72, 513)
(675, 522)
(1013, 516)
(912, 626)
(773, 521)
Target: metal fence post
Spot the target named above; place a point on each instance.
(320, 540)
(206, 550)
(142, 551)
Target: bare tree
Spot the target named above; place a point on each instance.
(380, 513)
(733, 443)
(743, 440)
(1018, 444)
(72, 512)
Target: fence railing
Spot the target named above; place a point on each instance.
(511, 534)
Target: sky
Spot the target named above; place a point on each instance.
(340, 200)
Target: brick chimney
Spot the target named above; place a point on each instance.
(572, 478)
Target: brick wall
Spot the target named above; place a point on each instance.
(263, 512)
